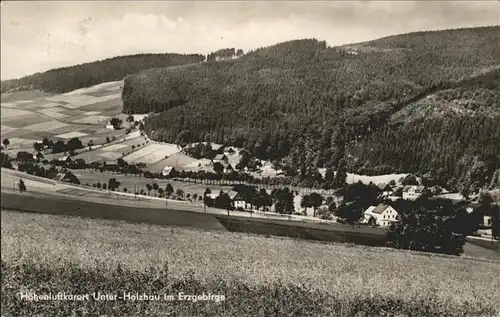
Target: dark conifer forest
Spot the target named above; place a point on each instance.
(426, 103)
(65, 79)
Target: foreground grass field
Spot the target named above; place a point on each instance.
(259, 276)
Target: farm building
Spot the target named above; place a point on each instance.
(109, 126)
(110, 166)
(168, 171)
(216, 147)
(212, 195)
(233, 160)
(38, 156)
(65, 159)
(228, 168)
(413, 192)
(69, 177)
(387, 192)
(487, 222)
(238, 200)
(382, 215)
(220, 158)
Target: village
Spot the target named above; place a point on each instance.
(215, 178)
(83, 138)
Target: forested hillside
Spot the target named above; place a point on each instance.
(225, 54)
(61, 80)
(383, 105)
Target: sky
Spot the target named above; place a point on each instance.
(40, 35)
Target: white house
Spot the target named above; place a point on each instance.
(413, 192)
(383, 215)
(109, 126)
(238, 200)
(213, 195)
(487, 222)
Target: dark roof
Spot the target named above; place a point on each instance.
(238, 197)
(69, 178)
(472, 204)
(384, 186)
(380, 208)
(167, 170)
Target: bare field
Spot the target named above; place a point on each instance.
(91, 119)
(25, 120)
(103, 104)
(152, 153)
(365, 179)
(110, 152)
(9, 112)
(178, 160)
(109, 86)
(24, 95)
(37, 118)
(343, 272)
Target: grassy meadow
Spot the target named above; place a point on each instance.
(259, 276)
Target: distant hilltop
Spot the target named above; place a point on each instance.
(225, 54)
(66, 79)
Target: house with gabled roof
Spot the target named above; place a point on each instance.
(110, 166)
(386, 189)
(65, 158)
(239, 202)
(387, 192)
(38, 156)
(233, 160)
(69, 177)
(168, 171)
(220, 158)
(382, 215)
(413, 192)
